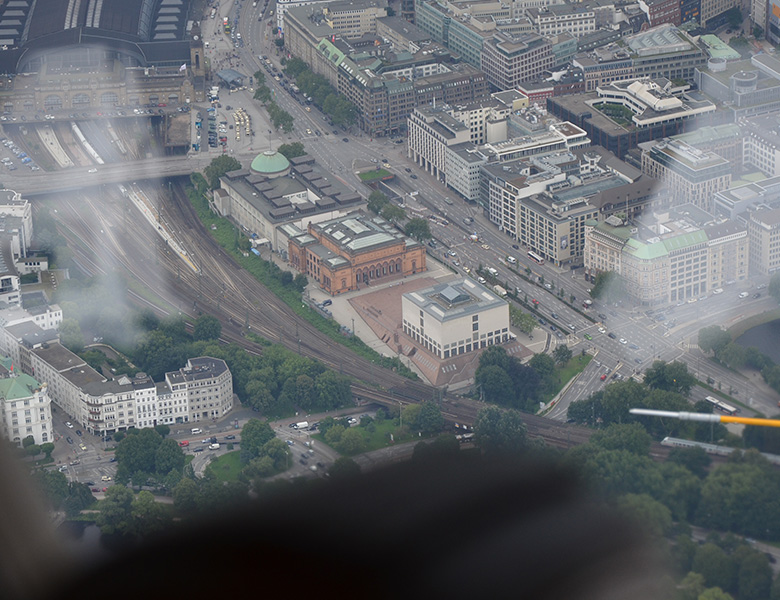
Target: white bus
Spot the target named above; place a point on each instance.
(722, 406)
(536, 258)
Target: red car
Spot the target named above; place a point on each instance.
(184, 443)
(604, 377)
(162, 104)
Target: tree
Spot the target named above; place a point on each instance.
(672, 377)
(653, 516)
(206, 328)
(562, 354)
(79, 497)
(524, 321)
(351, 442)
(162, 429)
(54, 486)
(136, 455)
(115, 514)
(254, 436)
(754, 577)
(544, 365)
(418, 229)
(500, 431)
(409, 415)
(377, 201)
(185, 496)
(147, 517)
(691, 587)
(696, 460)
(495, 384)
(71, 336)
(393, 213)
(47, 449)
(715, 594)
(430, 419)
(631, 437)
(168, 457)
(218, 167)
(733, 355)
(333, 390)
(333, 435)
(293, 150)
(344, 468)
(258, 396)
(713, 339)
(263, 94)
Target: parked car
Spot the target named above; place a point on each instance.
(69, 439)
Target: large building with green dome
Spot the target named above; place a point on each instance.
(276, 198)
(270, 164)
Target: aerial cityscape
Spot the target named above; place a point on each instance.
(350, 255)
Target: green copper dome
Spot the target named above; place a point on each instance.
(270, 163)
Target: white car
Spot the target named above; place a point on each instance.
(623, 341)
(92, 171)
(69, 425)
(308, 132)
(602, 330)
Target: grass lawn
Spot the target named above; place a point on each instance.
(576, 365)
(371, 175)
(380, 438)
(226, 467)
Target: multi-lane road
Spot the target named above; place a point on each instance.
(219, 289)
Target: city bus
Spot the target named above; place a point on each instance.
(721, 406)
(536, 258)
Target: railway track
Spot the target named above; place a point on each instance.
(233, 296)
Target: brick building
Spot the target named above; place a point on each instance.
(348, 253)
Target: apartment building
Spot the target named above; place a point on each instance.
(689, 175)
(353, 19)
(508, 61)
(764, 230)
(664, 51)
(431, 132)
(713, 12)
(761, 143)
(671, 261)
(201, 390)
(604, 65)
(25, 406)
(577, 20)
(660, 12)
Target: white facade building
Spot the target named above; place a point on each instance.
(453, 318)
(25, 407)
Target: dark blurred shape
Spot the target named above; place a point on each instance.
(444, 529)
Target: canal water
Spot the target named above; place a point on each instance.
(765, 337)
